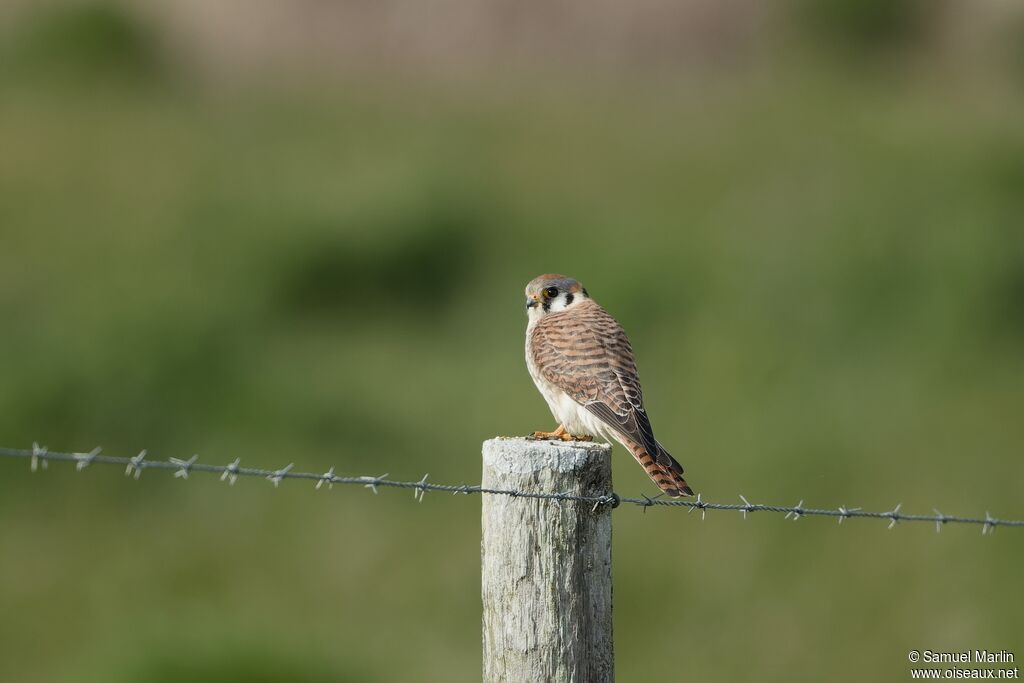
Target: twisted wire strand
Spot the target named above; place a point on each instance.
(39, 457)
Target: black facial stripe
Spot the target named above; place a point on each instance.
(585, 292)
(546, 305)
(568, 298)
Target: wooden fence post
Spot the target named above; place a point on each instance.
(547, 571)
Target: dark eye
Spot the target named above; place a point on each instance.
(551, 292)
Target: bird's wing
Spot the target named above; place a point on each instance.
(586, 354)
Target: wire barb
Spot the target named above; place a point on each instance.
(38, 457)
(694, 506)
(698, 504)
(230, 473)
(184, 466)
(747, 507)
(327, 477)
(83, 460)
(845, 512)
(648, 501)
(136, 465)
(276, 476)
(989, 526)
(894, 515)
(373, 482)
(420, 489)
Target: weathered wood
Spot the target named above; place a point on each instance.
(547, 570)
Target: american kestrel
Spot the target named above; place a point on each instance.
(582, 362)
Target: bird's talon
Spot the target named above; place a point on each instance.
(561, 434)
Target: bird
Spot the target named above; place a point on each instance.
(582, 363)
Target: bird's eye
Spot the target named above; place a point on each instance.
(551, 292)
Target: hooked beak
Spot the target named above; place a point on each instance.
(531, 302)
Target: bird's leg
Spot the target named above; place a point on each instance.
(562, 434)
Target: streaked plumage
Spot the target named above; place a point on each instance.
(582, 362)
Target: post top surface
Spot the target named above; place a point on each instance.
(521, 454)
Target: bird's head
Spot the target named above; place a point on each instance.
(552, 293)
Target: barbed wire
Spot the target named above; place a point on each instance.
(40, 457)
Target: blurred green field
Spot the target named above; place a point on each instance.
(822, 275)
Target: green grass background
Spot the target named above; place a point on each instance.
(821, 270)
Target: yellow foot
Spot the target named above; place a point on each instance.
(559, 433)
(562, 435)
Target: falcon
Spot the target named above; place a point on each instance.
(582, 363)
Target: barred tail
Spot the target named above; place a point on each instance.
(663, 469)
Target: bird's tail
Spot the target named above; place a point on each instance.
(662, 468)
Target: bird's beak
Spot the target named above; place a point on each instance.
(531, 302)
